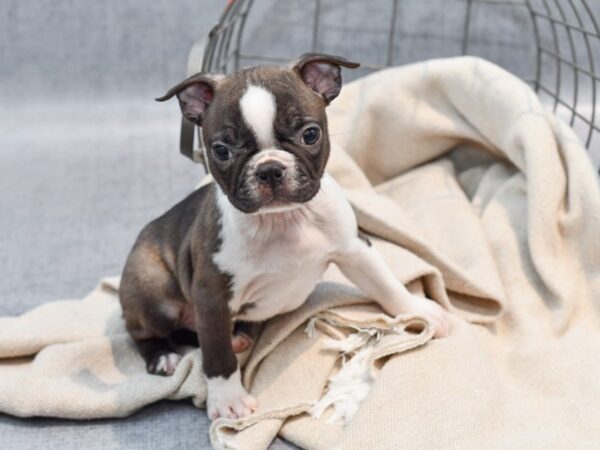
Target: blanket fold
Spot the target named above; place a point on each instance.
(477, 198)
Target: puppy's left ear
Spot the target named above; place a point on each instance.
(322, 73)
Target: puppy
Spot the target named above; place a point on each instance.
(254, 242)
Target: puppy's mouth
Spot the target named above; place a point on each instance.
(264, 198)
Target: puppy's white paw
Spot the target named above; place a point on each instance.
(434, 313)
(164, 364)
(228, 398)
(231, 407)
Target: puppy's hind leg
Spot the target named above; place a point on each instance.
(241, 339)
(160, 357)
(153, 344)
(152, 305)
(150, 325)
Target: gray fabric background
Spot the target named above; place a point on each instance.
(87, 157)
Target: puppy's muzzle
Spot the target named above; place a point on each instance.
(271, 173)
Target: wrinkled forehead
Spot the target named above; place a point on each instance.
(261, 100)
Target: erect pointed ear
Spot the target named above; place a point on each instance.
(195, 94)
(322, 73)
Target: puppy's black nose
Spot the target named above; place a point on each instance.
(271, 172)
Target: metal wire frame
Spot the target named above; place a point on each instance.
(555, 24)
(542, 13)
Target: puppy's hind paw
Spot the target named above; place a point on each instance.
(163, 364)
(240, 342)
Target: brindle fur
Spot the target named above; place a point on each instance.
(170, 266)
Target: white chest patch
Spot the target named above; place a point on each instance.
(258, 110)
(276, 259)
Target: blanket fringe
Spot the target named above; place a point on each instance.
(351, 384)
(347, 388)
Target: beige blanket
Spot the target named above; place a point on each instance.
(477, 198)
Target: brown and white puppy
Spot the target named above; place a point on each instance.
(253, 243)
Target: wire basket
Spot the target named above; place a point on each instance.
(554, 45)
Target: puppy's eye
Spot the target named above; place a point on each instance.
(311, 135)
(221, 152)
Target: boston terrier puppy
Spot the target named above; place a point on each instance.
(254, 242)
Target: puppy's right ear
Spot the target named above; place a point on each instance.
(322, 73)
(195, 94)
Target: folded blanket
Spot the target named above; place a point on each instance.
(477, 198)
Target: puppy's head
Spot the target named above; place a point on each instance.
(265, 129)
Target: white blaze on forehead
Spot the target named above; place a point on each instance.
(258, 110)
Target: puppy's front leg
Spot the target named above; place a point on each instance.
(365, 267)
(226, 396)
